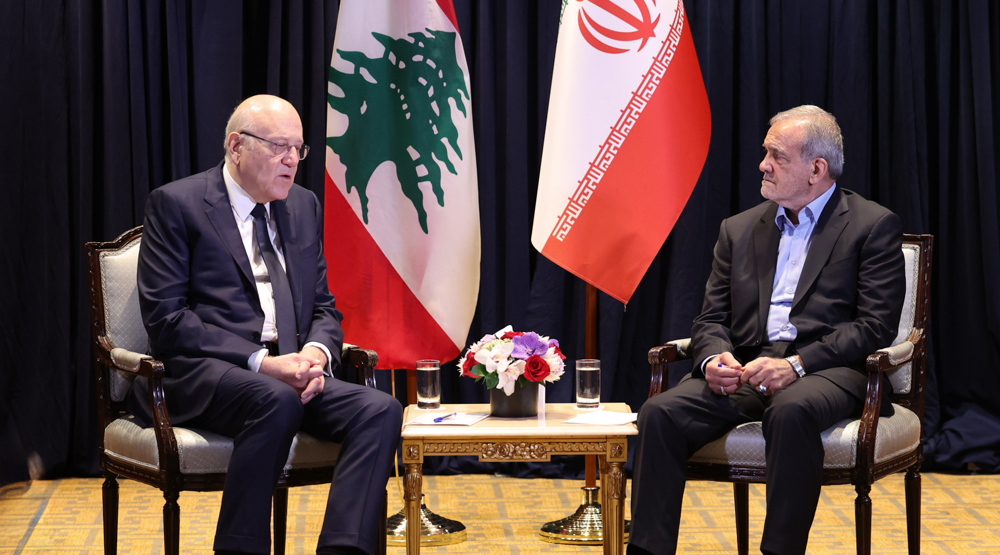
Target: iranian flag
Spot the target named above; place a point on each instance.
(402, 205)
(626, 138)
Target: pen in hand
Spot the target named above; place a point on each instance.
(445, 417)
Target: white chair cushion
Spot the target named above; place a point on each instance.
(902, 377)
(203, 452)
(744, 445)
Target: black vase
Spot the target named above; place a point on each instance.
(523, 402)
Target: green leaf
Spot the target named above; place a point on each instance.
(479, 370)
(492, 380)
(399, 110)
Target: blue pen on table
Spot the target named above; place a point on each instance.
(445, 417)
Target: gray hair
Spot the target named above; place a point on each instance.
(242, 119)
(823, 138)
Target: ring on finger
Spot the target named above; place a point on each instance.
(722, 390)
(762, 388)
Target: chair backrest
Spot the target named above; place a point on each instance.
(116, 302)
(917, 256)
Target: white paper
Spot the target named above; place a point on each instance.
(460, 419)
(603, 418)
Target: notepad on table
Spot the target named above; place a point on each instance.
(460, 419)
(603, 418)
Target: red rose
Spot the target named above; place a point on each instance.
(536, 369)
(559, 352)
(470, 361)
(512, 334)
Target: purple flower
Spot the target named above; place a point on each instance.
(529, 344)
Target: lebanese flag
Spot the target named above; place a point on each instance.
(402, 204)
(626, 138)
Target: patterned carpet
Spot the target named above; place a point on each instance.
(961, 515)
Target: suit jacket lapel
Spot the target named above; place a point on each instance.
(290, 247)
(828, 228)
(220, 213)
(765, 243)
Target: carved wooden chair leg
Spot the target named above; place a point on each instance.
(912, 485)
(171, 523)
(280, 519)
(863, 518)
(110, 497)
(741, 497)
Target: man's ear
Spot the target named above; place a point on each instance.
(818, 170)
(234, 144)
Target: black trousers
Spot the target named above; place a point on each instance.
(263, 415)
(675, 424)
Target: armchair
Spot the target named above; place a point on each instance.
(858, 452)
(173, 459)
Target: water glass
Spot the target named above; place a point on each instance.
(588, 383)
(428, 384)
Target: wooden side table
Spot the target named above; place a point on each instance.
(533, 439)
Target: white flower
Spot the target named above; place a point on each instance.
(508, 377)
(495, 356)
(556, 365)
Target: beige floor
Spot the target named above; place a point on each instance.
(961, 515)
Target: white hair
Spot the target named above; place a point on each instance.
(823, 138)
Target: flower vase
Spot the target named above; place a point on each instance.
(522, 403)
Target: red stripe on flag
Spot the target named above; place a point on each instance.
(632, 210)
(448, 7)
(382, 314)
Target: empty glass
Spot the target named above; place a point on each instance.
(428, 384)
(588, 383)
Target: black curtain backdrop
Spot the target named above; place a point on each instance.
(104, 101)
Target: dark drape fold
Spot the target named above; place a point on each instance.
(108, 100)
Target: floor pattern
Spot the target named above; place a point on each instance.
(961, 516)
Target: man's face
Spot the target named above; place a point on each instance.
(263, 174)
(786, 174)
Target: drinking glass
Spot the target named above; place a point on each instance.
(428, 384)
(588, 383)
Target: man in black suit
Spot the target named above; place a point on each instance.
(803, 288)
(233, 292)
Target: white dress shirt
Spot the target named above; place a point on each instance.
(243, 204)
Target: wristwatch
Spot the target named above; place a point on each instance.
(796, 365)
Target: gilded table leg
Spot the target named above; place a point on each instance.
(412, 484)
(613, 500)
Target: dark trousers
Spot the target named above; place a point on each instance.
(675, 424)
(263, 414)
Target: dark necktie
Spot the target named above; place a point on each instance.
(283, 307)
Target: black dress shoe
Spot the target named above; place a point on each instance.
(636, 550)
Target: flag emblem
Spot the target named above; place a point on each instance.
(403, 91)
(629, 28)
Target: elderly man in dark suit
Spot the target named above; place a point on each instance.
(803, 287)
(233, 292)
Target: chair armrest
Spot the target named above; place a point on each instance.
(363, 360)
(886, 359)
(660, 359)
(146, 366)
(878, 363)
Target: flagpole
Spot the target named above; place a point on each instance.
(586, 525)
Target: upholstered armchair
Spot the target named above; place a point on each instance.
(858, 452)
(173, 459)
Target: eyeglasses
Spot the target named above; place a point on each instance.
(280, 149)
